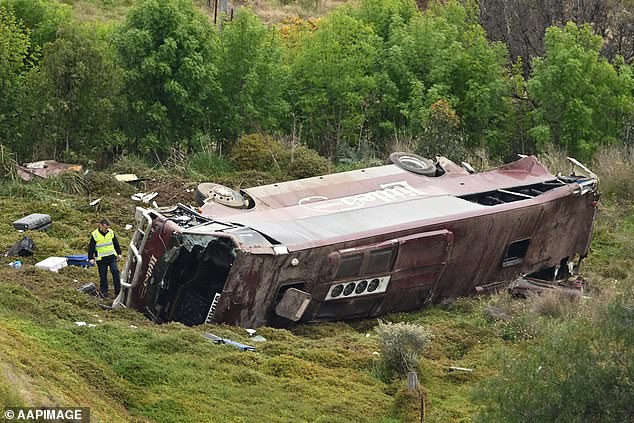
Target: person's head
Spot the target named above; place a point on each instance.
(104, 225)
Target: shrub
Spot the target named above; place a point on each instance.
(257, 152)
(579, 371)
(7, 163)
(305, 163)
(401, 345)
(208, 165)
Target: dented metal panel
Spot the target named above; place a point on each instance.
(357, 244)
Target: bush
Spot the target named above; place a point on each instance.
(257, 152)
(208, 165)
(263, 153)
(401, 345)
(580, 371)
(305, 163)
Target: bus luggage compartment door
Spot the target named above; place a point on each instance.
(420, 262)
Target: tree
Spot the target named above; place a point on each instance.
(72, 94)
(168, 52)
(521, 24)
(15, 45)
(252, 76)
(581, 99)
(332, 82)
(43, 18)
(444, 55)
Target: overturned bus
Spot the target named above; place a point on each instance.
(358, 244)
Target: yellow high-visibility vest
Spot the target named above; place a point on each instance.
(105, 246)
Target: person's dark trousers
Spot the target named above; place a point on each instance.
(102, 266)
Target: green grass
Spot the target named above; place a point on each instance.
(128, 369)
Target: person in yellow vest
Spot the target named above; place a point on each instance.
(104, 248)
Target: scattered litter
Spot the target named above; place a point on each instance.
(23, 248)
(95, 315)
(44, 169)
(16, 264)
(80, 260)
(459, 369)
(33, 222)
(134, 327)
(90, 325)
(100, 321)
(376, 353)
(258, 338)
(52, 263)
(95, 202)
(251, 332)
(128, 227)
(154, 204)
(367, 335)
(126, 177)
(145, 197)
(218, 340)
(90, 289)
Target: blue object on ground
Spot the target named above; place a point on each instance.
(218, 340)
(78, 260)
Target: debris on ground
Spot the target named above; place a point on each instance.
(23, 248)
(52, 263)
(459, 369)
(90, 325)
(80, 260)
(144, 197)
(126, 177)
(16, 264)
(33, 222)
(218, 340)
(45, 169)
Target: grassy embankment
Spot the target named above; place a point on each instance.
(127, 369)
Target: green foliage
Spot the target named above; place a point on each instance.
(168, 52)
(444, 55)
(401, 345)
(15, 45)
(208, 165)
(383, 15)
(333, 80)
(252, 77)
(304, 163)
(443, 133)
(7, 163)
(582, 99)
(257, 152)
(43, 18)
(580, 371)
(263, 153)
(72, 96)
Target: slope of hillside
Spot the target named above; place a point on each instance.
(127, 369)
